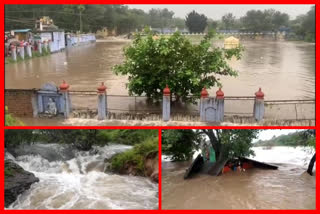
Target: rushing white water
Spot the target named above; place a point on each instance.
(82, 183)
(299, 156)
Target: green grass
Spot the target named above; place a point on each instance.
(135, 156)
(8, 172)
(10, 120)
(125, 136)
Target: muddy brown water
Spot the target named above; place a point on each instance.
(284, 70)
(289, 187)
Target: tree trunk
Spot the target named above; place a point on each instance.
(216, 169)
(311, 164)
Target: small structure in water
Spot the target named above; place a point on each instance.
(231, 42)
(207, 159)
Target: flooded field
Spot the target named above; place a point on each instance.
(289, 187)
(284, 70)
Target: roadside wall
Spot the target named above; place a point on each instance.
(19, 101)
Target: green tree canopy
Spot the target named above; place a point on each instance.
(180, 144)
(195, 22)
(228, 21)
(227, 144)
(152, 63)
(267, 20)
(94, 17)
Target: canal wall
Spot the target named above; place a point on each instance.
(20, 102)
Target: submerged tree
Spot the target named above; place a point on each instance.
(152, 62)
(228, 144)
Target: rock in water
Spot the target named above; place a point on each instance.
(16, 181)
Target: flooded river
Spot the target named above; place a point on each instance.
(284, 70)
(289, 187)
(79, 181)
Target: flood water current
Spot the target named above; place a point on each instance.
(284, 70)
(289, 187)
(78, 180)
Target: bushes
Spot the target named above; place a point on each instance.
(135, 157)
(152, 62)
(9, 120)
(125, 136)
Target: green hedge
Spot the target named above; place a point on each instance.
(135, 156)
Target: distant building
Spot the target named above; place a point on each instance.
(47, 31)
(168, 30)
(22, 34)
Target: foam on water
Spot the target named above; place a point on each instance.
(81, 183)
(299, 156)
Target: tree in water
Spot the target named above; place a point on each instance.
(152, 62)
(228, 144)
(195, 22)
(309, 136)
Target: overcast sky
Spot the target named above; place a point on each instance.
(217, 11)
(268, 134)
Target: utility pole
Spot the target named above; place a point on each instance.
(80, 21)
(81, 8)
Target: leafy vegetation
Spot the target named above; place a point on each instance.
(90, 17)
(180, 144)
(304, 26)
(267, 20)
(9, 120)
(227, 144)
(82, 139)
(8, 172)
(154, 62)
(196, 23)
(292, 139)
(125, 136)
(229, 21)
(15, 137)
(135, 157)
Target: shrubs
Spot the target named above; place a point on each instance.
(134, 157)
(9, 120)
(152, 62)
(125, 136)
